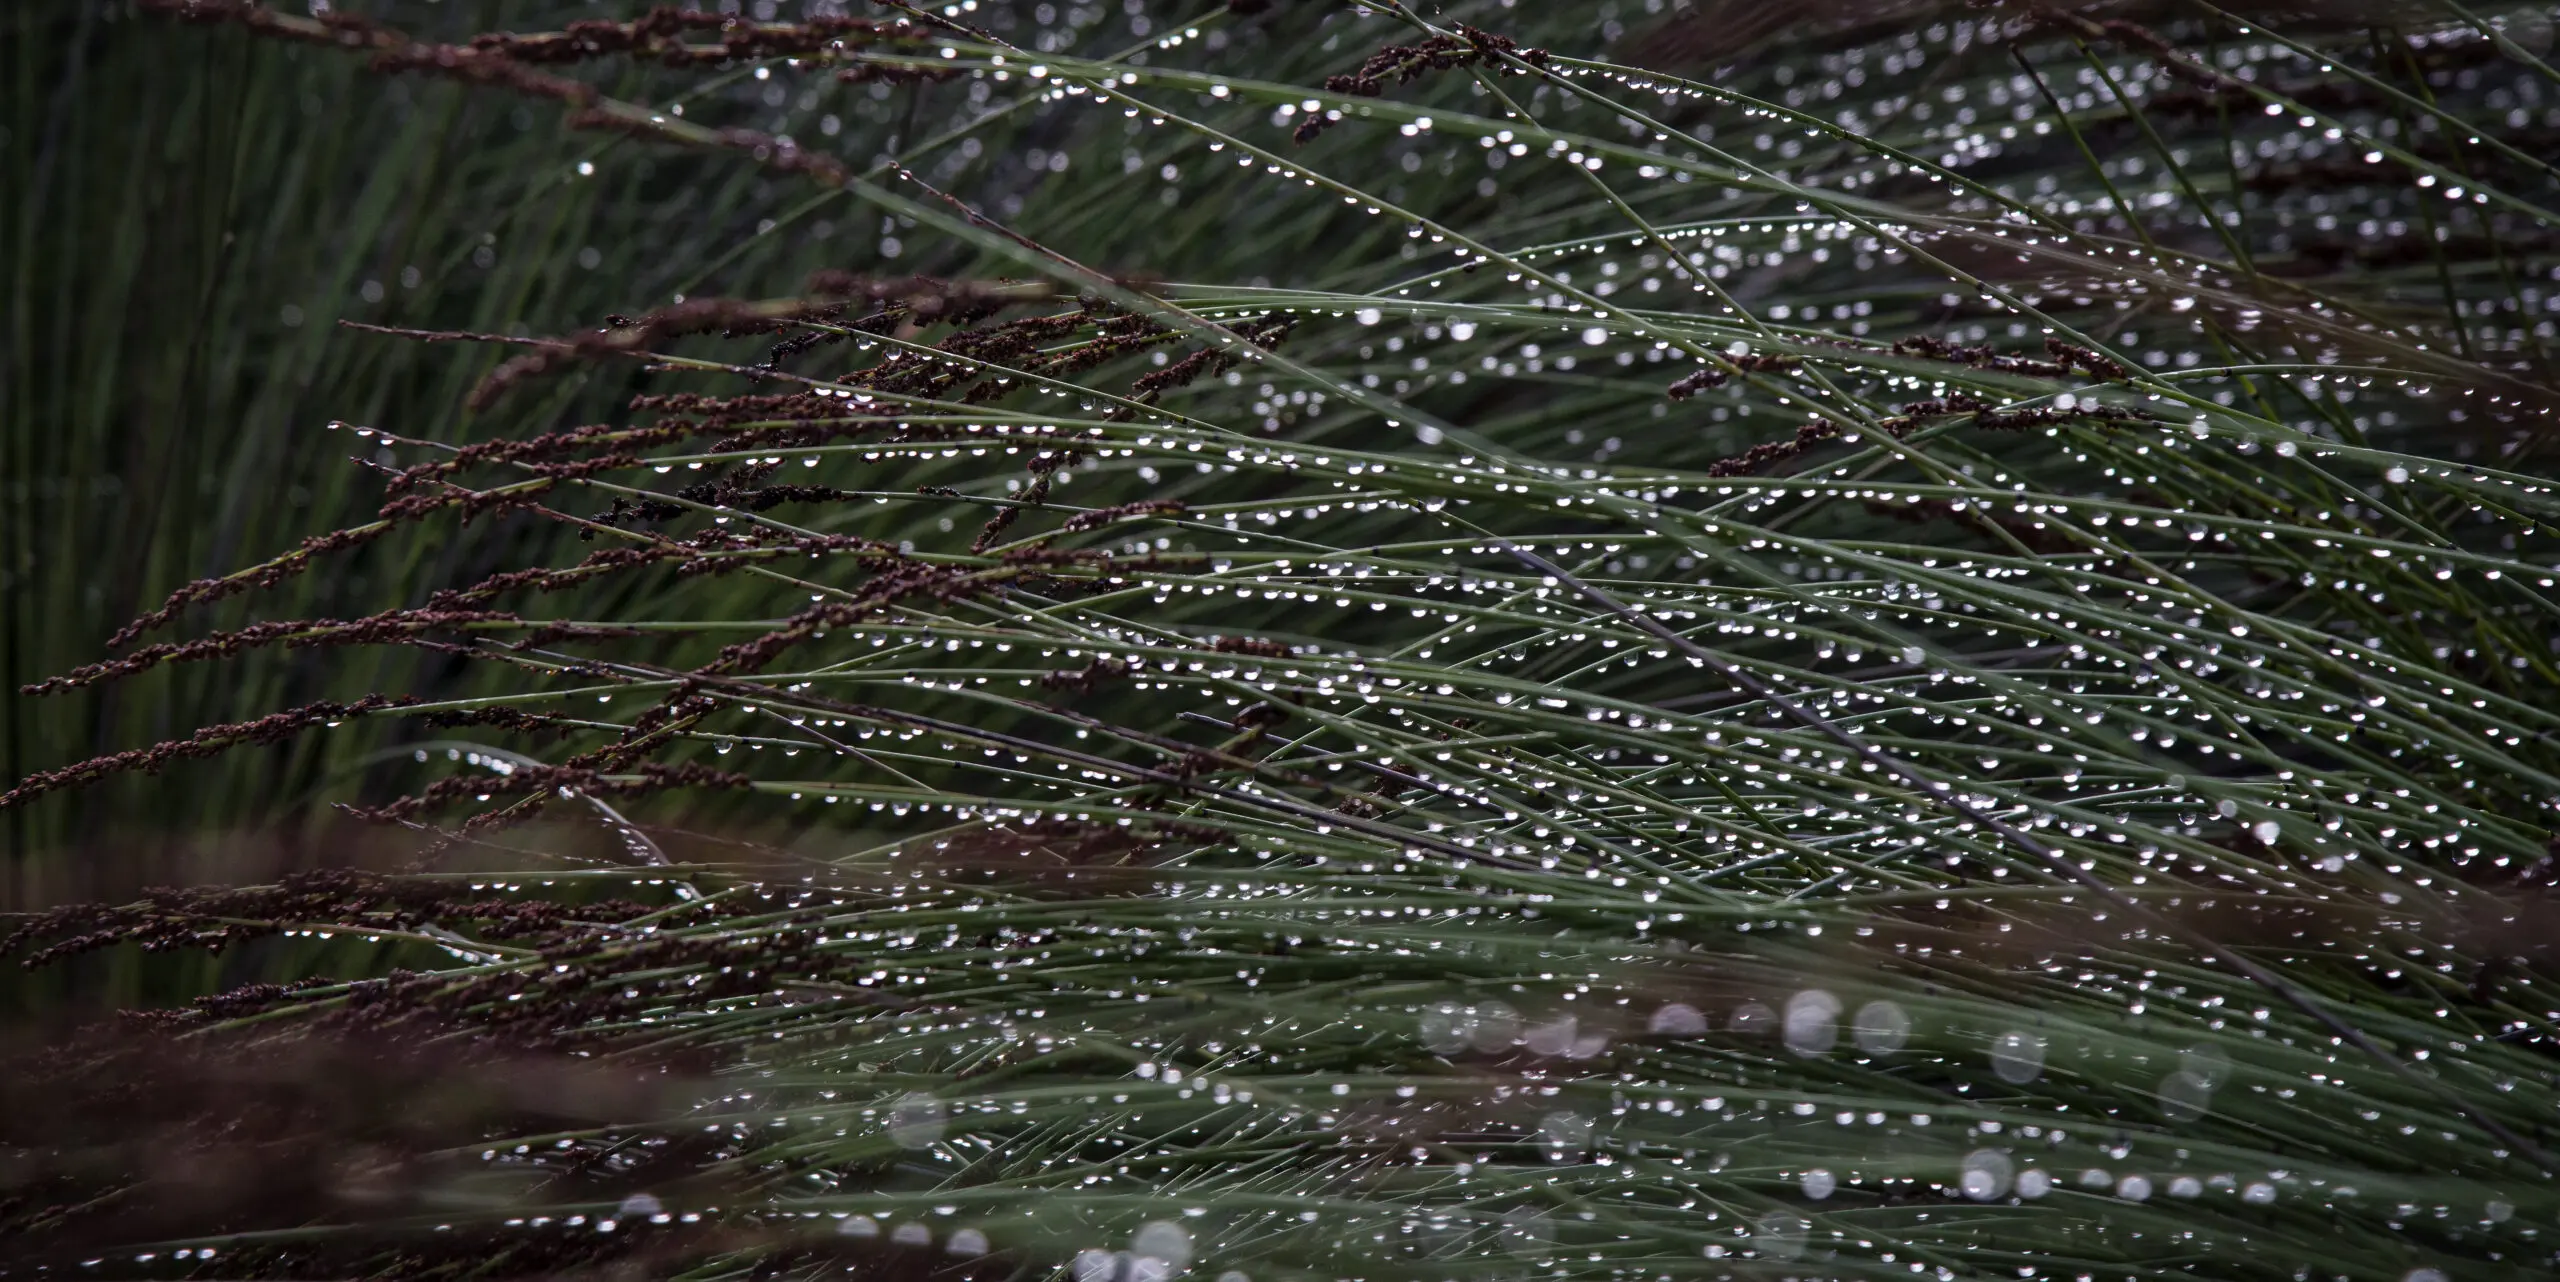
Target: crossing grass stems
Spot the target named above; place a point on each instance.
(1368, 640)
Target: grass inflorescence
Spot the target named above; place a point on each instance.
(1359, 641)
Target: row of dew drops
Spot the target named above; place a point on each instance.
(1808, 1025)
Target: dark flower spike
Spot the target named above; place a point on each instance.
(651, 777)
(403, 626)
(636, 336)
(494, 67)
(1471, 47)
(660, 36)
(1711, 378)
(206, 741)
(1416, 828)
(402, 508)
(2068, 359)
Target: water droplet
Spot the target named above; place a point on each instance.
(916, 1120)
(1447, 1028)
(1752, 1018)
(1565, 1131)
(967, 1242)
(2133, 1188)
(2034, 1183)
(1095, 1266)
(859, 1226)
(911, 1233)
(1676, 1020)
(2018, 1057)
(1819, 1184)
(1780, 1236)
(1812, 1024)
(1163, 1240)
(1555, 1037)
(1881, 1028)
(2207, 1065)
(1986, 1174)
(2183, 1098)
(639, 1205)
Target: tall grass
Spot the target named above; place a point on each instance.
(189, 217)
(1357, 641)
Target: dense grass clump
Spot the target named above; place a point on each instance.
(1358, 640)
